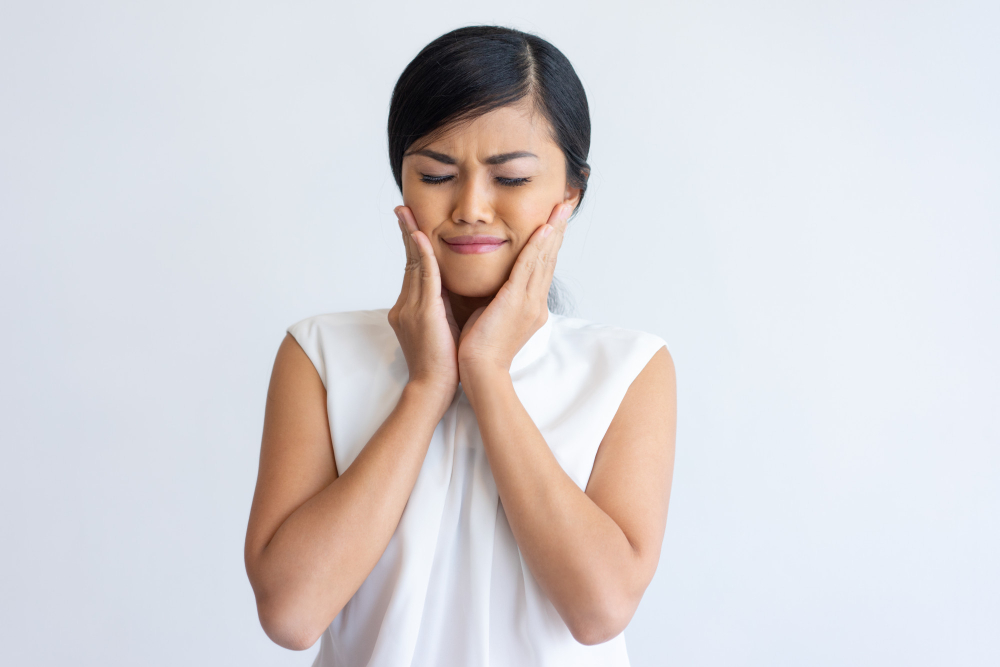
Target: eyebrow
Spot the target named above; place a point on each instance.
(434, 155)
(494, 159)
(507, 157)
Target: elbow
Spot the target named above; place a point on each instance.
(289, 616)
(289, 619)
(601, 623)
(596, 631)
(287, 626)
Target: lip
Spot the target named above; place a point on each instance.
(474, 245)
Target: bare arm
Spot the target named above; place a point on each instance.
(313, 536)
(592, 553)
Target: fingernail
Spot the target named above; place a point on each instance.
(567, 209)
(546, 231)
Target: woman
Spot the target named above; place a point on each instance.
(467, 478)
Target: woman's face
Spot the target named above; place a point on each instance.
(479, 190)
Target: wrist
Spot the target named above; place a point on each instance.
(482, 374)
(432, 396)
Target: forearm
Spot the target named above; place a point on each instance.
(322, 552)
(580, 557)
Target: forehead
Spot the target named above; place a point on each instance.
(516, 127)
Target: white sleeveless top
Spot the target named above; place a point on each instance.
(451, 588)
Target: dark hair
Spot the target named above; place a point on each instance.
(470, 71)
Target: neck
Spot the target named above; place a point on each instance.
(463, 306)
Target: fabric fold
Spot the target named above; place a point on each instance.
(452, 588)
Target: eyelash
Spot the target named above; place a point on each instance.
(434, 180)
(512, 182)
(508, 182)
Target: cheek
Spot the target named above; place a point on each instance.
(428, 207)
(524, 213)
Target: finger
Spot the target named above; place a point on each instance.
(429, 275)
(408, 225)
(406, 216)
(528, 259)
(560, 216)
(541, 277)
(410, 261)
(413, 262)
(404, 290)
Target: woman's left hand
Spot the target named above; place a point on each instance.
(495, 333)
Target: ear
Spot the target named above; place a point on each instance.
(572, 196)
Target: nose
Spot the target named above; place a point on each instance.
(473, 204)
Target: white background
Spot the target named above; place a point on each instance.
(803, 198)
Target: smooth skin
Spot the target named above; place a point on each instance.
(314, 536)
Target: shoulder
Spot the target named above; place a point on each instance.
(608, 355)
(604, 339)
(343, 322)
(340, 342)
(344, 329)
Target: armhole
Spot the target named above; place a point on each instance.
(646, 347)
(306, 334)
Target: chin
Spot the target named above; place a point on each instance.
(473, 286)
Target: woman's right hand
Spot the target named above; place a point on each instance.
(422, 317)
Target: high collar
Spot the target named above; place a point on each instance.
(535, 347)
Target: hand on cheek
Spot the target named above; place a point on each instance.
(493, 335)
(421, 319)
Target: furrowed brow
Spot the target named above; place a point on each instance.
(434, 155)
(507, 157)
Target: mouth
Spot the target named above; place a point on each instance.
(474, 245)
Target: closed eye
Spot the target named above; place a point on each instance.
(507, 182)
(512, 182)
(427, 178)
